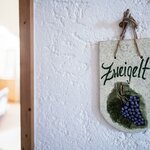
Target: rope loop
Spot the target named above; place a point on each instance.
(126, 21)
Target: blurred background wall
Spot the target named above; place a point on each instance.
(9, 47)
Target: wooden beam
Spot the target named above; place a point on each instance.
(26, 74)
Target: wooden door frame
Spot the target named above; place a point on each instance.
(26, 74)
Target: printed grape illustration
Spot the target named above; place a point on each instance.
(126, 107)
(131, 111)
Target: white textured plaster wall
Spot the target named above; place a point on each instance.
(66, 73)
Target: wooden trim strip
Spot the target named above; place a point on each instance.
(26, 74)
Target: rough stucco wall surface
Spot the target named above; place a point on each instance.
(67, 113)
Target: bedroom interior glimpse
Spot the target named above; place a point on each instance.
(9, 75)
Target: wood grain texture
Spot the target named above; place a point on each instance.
(26, 74)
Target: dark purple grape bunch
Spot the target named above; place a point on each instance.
(131, 111)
